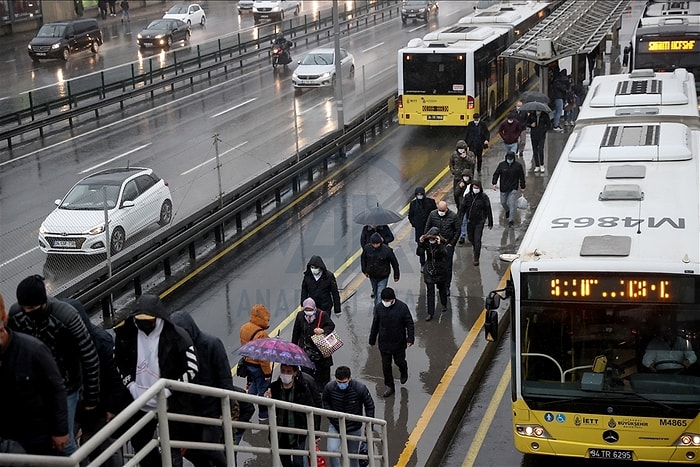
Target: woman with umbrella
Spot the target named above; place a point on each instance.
(309, 321)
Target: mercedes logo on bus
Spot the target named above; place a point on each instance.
(611, 436)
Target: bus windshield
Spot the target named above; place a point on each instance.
(436, 74)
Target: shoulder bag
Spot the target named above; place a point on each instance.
(242, 368)
(326, 343)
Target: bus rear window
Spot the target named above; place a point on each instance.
(434, 74)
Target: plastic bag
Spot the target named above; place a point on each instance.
(522, 203)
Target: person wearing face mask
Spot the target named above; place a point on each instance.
(435, 271)
(464, 185)
(320, 284)
(147, 347)
(346, 395)
(462, 160)
(510, 131)
(377, 261)
(58, 325)
(418, 210)
(392, 324)
(259, 371)
(309, 321)
(477, 138)
(476, 208)
(449, 227)
(511, 174)
(539, 123)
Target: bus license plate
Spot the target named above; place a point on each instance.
(434, 117)
(616, 454)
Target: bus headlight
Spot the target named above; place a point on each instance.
(688, 439)
(532, 431)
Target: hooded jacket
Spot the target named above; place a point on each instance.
(459, 164)
(511, 175)
(419, 210)
(477, 207)
(323, 290)
(476, 135)
(435, 271)
(393, 326)
(256, 325)
(378, 262)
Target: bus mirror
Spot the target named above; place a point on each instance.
(491, 325)
(492, 302)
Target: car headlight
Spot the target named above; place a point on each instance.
(295, 76)
(29, 47)
(275, 9)
(97, 230)
(421, 10)
(326, 75)
(55, 46)
(42, 229)
(403, 10)
(139, 36)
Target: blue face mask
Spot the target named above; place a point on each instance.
(343, 386)
(510, 161)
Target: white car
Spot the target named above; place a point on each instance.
(317, 68)
(245, 5)
(190, 13)
(274, 10)
(136, 198)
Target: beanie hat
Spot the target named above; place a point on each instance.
(309, 303)
(461, 144)
(388, 294)
(376, 238)
(419, 190)
(477, 183)
(31, 291)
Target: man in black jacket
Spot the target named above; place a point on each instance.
(511, 174)
(450, 227)
(377, 261)
(393, 325)
(58, 325)
(418, 211)
(476, 208)
(320, 284)
(149, 347)
(477, 139)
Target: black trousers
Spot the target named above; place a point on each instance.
(474, 234)
(400, 359)
(147, 433)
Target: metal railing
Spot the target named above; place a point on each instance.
(94, 453)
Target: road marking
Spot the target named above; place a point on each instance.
(385, 70)
(324, 102)
(131, 151)
(373, 47)
(213, 158)
(18, 256)
(418, 28)
(234, 107)
(486, 421)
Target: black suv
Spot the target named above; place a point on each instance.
(59, 40)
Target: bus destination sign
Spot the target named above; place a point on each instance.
(685, 45)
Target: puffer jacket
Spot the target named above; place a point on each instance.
(259, 321)
(378, 262)
(324, 291)
(435, 268)
(448, 225)
(351, 400)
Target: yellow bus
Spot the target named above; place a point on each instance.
(454, 72)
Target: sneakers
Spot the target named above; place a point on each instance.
(461, 240)
(476, 262)
(510, 224)
(262, 419)
(558, 129)
(521, 155)
(537, 169)
(371, 295)
(542, 168)
(404, 378)
(444, 309)
(388, 392)
(429, 318)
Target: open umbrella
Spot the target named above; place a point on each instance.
(274, 349)
(535, 106)
(534, 96)
(377, 216)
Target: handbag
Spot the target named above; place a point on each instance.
(242, 367)
(326, 343)
(320, 461)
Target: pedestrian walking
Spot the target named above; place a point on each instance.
(511, 175)
(560, 87)
(308, 322)
(521, 116)
(383, 230)
(377, 261)
(626, 54)
(449, 227)
(510, 130)
(58, 325)
(392, 324)
(112, 7)
(464, 185)
(477, 138)
(476, 208)
(539, 124)
(348, 396)
(462, 159)
(124, 5)
(418, 210)
(102, 6)
(435, 271)
(259, 371)
(147, 347)
(320, 284)
(35, 409)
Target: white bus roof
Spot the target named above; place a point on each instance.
(671, 8)
(622, 211)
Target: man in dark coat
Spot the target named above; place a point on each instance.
(462, 159)
(450, 227)
(435, 270)
(418, 211)
(512, 175)
(309, 321)
(539, 123)
(377, 261)
(320, 284)
(477, 138)
(477, 209)
(148, 347)
(393, 325)
(35, 412)
(521, 116)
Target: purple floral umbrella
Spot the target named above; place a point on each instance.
(274, 349)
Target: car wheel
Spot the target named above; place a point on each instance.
(66, 54)
(202, 21)
(352, 70)
(118, 240)
(95, 47)
(296, 11)
(166, 213)
(189, 23)
(281, 15)
(187, 36)
(403, 20)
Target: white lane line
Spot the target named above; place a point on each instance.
(385, 70)
(313, 107)
(234, 107)
(418, 28)
(18, 256)
(131, 151)
(213, 158)
(373, 47)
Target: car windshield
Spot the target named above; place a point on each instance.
(89, 197)
(318, 59)
(51, 30)
(178, 10)
(158, 24)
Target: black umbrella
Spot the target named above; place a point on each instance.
(377, 216)
(535, 106)
(534, 96)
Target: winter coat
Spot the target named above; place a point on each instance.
(510, 132)
(538, 124)
(521, 116)
(323, 290)
(459, 164)
(378, 262)
(448, 225)
(70, 343)
(435, 268)
(393, 326)
(418, 212)
(351, 400)
(303, 330)
(300, 394)
(477, 208)
(510, 175)
(560, 86)
(476, 135)
(382, 230)
(259, 321)
(31, 387)
(213, 364)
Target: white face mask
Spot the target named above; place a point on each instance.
(315, 271)
(419, 197)
(476, 190)
(476, 121)
(286, 379)
(442, 213)
(461, 151)
(510, 121)
(387, 303)
(466, 179)
(309, 315)
(432, 241)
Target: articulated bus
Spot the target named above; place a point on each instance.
(605, 288)
(667, 37)
(450, 74)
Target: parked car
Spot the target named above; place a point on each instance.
(418, 9)
(274, 10)
(163, 33)
(245, 6)
(135, 198)
(60, 40)
(190, 13)
(317, 68)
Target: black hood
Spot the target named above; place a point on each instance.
(150, 304)
(316, 261)
(186, 322)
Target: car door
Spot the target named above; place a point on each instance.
(197, 14)
(345, 62)
(149, 200)
(128, 217)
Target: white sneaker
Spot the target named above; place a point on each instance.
(537, 169)
(542, 168)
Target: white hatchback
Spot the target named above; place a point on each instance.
(135, 198)
(190, 13)
(317, 68)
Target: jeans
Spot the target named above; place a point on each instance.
(558, 111)
(72, 401)
(463, 230)
(400, 359)
(522, 140)
(508, 200)
(430, 290)
(377, 286)
(474, 233)
(511, 147)
(333, 445)
(257, 386)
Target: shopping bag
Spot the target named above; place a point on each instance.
(522, 202)
(327, 343)
(320, 461)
